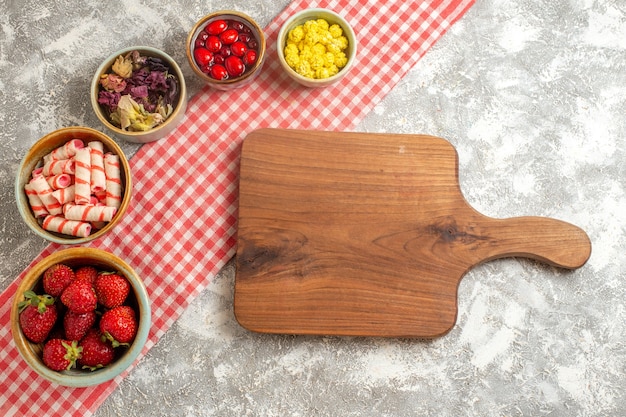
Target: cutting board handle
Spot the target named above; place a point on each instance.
(548, 240)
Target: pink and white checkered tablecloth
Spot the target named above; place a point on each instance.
(180, 229)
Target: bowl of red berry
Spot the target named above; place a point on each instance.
(139, 94)
(226, 49)
(80, 317)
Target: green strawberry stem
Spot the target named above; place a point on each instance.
(93, 368)
(73, 353)
(39, 301)
(114, 342)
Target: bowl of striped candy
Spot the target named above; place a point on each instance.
(73, 185)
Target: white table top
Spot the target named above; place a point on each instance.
(533, 96)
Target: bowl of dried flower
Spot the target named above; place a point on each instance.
(139, 94)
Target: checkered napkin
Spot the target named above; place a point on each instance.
(180, 229)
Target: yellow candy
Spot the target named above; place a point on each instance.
(316, 49)
(296, 34)
(341, 59)
(335, 31)
(322, 24)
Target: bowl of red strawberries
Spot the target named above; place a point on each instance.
(80, 317)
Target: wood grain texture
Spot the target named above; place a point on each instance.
(368, 235)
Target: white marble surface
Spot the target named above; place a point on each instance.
(532, 94)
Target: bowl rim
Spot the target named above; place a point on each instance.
(198, 26)
(106, 65)
(301, 17)
(77, 378)
(31, 158)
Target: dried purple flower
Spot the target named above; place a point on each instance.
(109, 100)
(156, 81)
(151, 92)
(140, 91)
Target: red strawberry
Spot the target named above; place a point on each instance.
(76, 325)
(119, 325)
(79, 297)
(111, 289)
(38, 314)
(56, 278)
(87, 273)
(97, 352)
(59, 354)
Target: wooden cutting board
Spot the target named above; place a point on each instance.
(368, 235)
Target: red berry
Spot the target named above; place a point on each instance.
(219, 72)
(234, 65)
(37, 317)
(216, 27)
(111, 289)
(119, 325)
(56, 278)
(225, 51)
(213, 44)
(203, 56)
(226, 38)
(229, 36)
(236, 25)
(250, 57)
(97, 352)
(86, 273)
(79, 297)
(60, 355)
(238, 48)
(76, 325)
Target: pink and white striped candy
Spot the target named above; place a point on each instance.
(37, 172)
(101, 196)
(56, 167)
(36, 205)
(60, 181)
(113, 180)
(60, 224)
(77, 190)
(88, 213)
(64, 195)
(82, 178)
(98, 177)
(44, 192)
(64, 152)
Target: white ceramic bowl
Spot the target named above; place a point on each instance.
(314, 14)
(34, 158)
(251, 73)
(138, 299)
(157, 132)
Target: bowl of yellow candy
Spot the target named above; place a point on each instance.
(316, 47)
